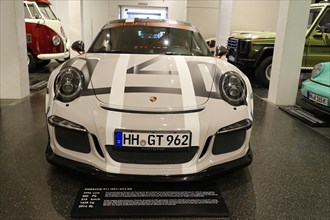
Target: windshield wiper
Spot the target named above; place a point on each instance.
(117, 51)
(172, 53)
(176, 53)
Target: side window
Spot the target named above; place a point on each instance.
(324, 23)
(212, 43)
(34, 11)
(26, 12)
(314, 12)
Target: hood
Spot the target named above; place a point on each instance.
(152, 82)
(253, 35)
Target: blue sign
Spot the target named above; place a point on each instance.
(119, 139)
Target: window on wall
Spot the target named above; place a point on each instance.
(142, 12)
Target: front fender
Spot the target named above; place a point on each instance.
(262, 54)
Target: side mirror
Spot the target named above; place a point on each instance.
(40, 22)
(78, 46)
(321, 29)
(220, 51)
(327, 28)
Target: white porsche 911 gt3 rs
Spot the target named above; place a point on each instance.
(148, 102)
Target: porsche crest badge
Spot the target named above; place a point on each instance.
(153, 98)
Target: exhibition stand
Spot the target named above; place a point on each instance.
(123, 199)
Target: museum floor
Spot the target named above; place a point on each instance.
(288, 178)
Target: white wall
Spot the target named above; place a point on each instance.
(95, 15)
(70, 14)
(224, 22)
(203, 15)
(14, 77)
(82, 19)
(176, 8)
(98, 13)
(254, 15)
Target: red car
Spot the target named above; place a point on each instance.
(45, 36)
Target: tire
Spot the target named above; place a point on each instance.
(31, 61)
(43, 62)
(263, 71)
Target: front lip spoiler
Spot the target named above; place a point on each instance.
(94, 172)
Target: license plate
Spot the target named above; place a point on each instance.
(317, 98)
(231, 58)
(125, 138)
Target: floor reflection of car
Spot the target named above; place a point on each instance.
(316, 90)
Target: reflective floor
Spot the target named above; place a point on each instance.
(288, 179)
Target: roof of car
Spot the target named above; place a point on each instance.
(321, 4)
(40, 1)
(150, 22)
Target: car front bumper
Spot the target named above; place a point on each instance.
(318, 89)
(50, 56)
(92, 171)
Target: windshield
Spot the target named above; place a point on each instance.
(31, 11)
(313, 13)
(150, 40)
(46, 11)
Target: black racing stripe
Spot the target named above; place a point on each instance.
(87, 92)
(91, 64)
(97, 91)
(198, 81)
(153, 112)
(153, 90)
(215, 95)
(216, 84)
(69, 63)
(136, 68)
(151, 72)
(107, 90)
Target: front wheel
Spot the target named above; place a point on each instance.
(263, 71)
(43, 62)
(31, 61)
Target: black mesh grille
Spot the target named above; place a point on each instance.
(232, 43)
(72, 139)
(140, 155)
(228, 142)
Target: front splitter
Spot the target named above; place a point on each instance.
(94, 172)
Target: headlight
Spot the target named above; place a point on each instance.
(317, 69)
(69, 84)
(233, 88)
(56, 40)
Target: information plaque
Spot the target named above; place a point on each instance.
(110, 199)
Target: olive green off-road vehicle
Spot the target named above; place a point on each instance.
(253, 51)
